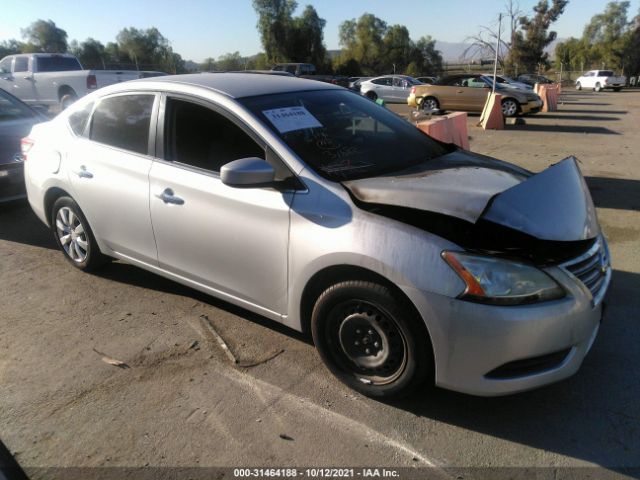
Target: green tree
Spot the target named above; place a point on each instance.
(10, 47)
(91, 53)
(274, 25)
(529, 43)
(45, 36)
(430, 58)
(306, 38)
(290, 39)
(146, 49)
(230, 61)
(362, 42)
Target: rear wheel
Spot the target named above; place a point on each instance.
(598, 87)
(370, 340)
(510, 107)
(74, 237)
(578, 86)
(67, 99)
(617, 89)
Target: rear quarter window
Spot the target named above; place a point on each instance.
(78, 119)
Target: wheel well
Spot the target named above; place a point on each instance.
(64, 90)
(50, 198)
(336, 274)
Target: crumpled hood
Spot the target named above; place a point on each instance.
(554, 204)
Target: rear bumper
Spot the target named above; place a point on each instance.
(12, 181)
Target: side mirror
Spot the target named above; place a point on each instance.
(250, 172)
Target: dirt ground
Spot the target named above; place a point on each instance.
(181, 403)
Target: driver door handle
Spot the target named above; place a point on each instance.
(167, 196)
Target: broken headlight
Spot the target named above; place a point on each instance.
(501, 282)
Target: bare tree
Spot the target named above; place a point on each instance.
(483, 44)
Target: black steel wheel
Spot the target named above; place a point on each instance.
(370, 340)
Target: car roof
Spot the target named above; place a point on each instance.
(238, 85)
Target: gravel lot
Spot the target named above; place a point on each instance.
(183, 404)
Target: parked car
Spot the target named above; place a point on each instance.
(405, 258)
(427, 80)
(531, 79)
(16, 120)
(355, 82)
(468, 93)
(55, 79)
(308, 71)
(509, 82)
(390, 88)
(599, 80)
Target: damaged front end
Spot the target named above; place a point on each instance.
(490, 207)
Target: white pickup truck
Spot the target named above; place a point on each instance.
(598, 80)
(54, 79)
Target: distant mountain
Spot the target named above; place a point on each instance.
(453, 52)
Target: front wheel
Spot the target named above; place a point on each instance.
(430, 104)
(578, 86)
(372, 96)
(370, 340)
(74, 237)
(510, 107)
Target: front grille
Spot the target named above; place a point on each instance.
(592, 269)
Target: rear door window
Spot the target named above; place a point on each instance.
(123, 121)
(21, 64)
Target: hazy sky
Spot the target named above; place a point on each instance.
(209, 28)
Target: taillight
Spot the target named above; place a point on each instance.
(413, 90)
(334, 81)
(92, 83)
(25, 145)
(605, 81)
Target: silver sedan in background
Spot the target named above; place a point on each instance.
(405, 258)
(390, 88)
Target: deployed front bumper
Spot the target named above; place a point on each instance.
(495, 350)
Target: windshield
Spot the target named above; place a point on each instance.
(342, 135)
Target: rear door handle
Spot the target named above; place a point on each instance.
(167, 196)
(83, 172)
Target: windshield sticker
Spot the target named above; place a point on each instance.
(291, 118)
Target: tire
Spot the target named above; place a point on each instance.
(578, 86)
(371, 96)
(430, 104)
(370, 340)
(74, 236)
(67, 100)
(510, 107)
(617, 89)
(598, 87)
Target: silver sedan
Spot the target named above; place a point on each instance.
(390, 88)
(406, 259)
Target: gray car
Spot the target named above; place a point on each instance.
(16, 120)
(405, 258)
